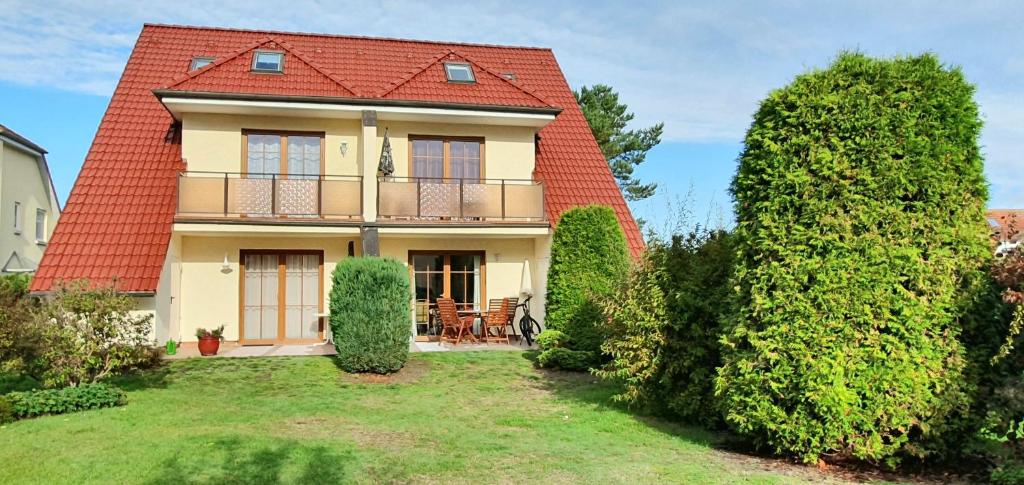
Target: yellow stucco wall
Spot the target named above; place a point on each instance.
(508, 150)
(213, 142)
(209, 297)
(22, 180)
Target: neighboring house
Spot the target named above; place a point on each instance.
(1007, 227)
(28, 203)
(233, 169)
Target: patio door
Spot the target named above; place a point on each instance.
(457, 275)
(441, 167)
(281, 295)
(281, 173)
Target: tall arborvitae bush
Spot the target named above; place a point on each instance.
(370, 314)
(589, 258)
(860, 219)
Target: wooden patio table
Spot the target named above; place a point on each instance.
(481, 315)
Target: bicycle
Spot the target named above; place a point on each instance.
(528, 324)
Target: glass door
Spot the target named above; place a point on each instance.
(282, 295)
(440, 167)
(456, 275)
(281, 174)
(261, 281)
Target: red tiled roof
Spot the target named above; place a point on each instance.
(1006, 224)
(117, 221)
(430, 83)
(233, 74)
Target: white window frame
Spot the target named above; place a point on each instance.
(18, 216)
(41, 226)
(206, 60)
(280, 65)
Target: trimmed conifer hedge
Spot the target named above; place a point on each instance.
(860, 216)
(370, 310)
(589, 258)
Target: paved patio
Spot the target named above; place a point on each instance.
(228, 349)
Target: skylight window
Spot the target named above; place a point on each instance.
(268, 61)
(459, 72)
(199, 62)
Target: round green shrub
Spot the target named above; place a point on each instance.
(589, 258)
(370, 314)
(550, 339)
(567, 359)
(860, 217)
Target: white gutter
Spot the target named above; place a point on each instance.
(179, 105)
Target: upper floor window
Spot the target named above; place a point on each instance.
(447, 158)
(198, 62)
(40, 225)
(295, 155)
(268, 61)
(17, 217)
(459, 72)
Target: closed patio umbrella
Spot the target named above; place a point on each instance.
(386, 167)
(526, 283)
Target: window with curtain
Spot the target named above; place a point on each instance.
(301, 154)
(264, 155)
(428, 158)
(446, 158)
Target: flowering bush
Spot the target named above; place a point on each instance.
(90, 333)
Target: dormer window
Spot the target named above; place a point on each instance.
(458, 72)
(268, 61)
(199, 62)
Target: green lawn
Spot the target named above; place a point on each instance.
(449, 417)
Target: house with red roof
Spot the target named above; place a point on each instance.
(1007, 228)
(233, 169)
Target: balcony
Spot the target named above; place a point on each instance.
(298, 198)
(441, 200)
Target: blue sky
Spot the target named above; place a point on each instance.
(699, 67)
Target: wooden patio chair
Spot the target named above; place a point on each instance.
(496, 322)
(513, 305)
(454, 328)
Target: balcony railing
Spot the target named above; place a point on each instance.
(460, 200)
(269, 196)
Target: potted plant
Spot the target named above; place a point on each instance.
(209, 340)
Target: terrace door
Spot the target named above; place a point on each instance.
(282, 294)
(456, 275)
(281, 173)
(441, 166)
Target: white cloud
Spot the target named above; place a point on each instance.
(699, 67)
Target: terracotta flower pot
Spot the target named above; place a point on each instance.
(209, 345)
